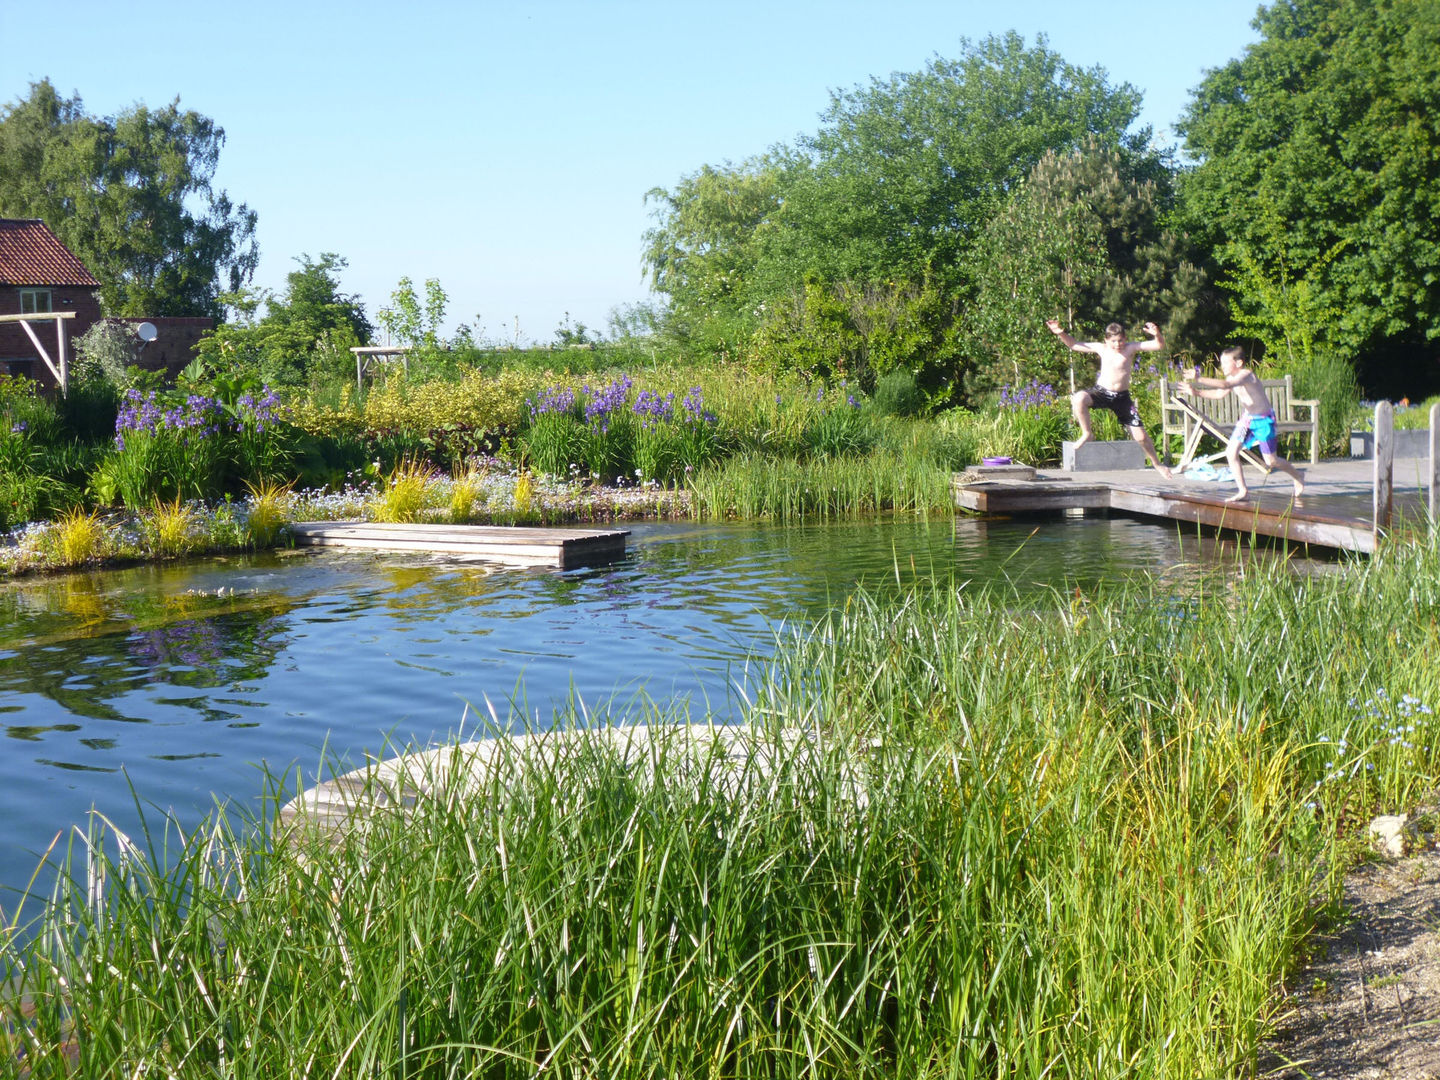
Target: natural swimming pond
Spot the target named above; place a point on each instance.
(180, 680)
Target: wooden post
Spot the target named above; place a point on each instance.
(1384, 466)
(60, 350)
(1434, 464)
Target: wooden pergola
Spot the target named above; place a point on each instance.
(368, 355)
(60, 365)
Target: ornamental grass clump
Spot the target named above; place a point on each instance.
(267, 513)
(404, 494)
(76, 538)
(170, 529)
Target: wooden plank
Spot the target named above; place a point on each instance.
(1384, 466)
(515, 545)
(1434, 479)
(1022, 497)
(1286, 523)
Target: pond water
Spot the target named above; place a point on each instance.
(172, 684)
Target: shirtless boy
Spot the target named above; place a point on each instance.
(1112, 385)
(1257, 424)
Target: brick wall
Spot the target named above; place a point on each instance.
(172, 349)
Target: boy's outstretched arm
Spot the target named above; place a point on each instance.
(1156, 342)
(1065, 339)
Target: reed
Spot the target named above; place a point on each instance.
(824, 488)
(971, 833)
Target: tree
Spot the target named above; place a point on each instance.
(1085, 238)
(123, 193)
(705, 249)
(1318, 160)
(903, 172)
(883, 201)
(311, 320)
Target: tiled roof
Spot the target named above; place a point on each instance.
(30, 254)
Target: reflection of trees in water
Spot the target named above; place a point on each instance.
(85, 647)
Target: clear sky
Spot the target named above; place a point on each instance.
(506, 148)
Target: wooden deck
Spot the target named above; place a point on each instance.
(512, 545)
(1335, 512)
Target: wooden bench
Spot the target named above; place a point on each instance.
(1222, 414)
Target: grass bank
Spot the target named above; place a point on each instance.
(1081, 836)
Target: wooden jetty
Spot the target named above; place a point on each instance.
(1337, 511)
(512, 545)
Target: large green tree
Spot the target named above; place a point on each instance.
(1088, 238)
(904, 171)
(877, 208)
(1318, 177)
(133, 196)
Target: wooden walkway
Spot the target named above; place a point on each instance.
(1337, 510)
(512, 545)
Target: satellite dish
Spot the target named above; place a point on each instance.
(146, 332)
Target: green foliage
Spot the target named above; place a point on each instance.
(407, 322)
(905, 170)
(1085, 239)
(132, 197)
(859, 333)
(896, 394)
(842, 430)
(307, 330)
(104, 354)
(1315, 171)
(1029, 435)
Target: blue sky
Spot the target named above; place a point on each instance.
(506, 148)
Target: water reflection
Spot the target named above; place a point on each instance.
(177, 679)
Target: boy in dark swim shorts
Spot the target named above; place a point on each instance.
(1112, 383)
(1256, 427)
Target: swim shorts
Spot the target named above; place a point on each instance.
(1118, 402)
(1257, 431)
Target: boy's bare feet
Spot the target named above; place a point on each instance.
(1164, 470)
(1239, 496)
(1083, 439)
(1299, 483)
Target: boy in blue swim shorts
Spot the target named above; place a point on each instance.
(1256, 427)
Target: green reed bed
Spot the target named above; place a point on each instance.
(1084, 836)
(821, 488)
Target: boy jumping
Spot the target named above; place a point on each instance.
(1257, 424)
(1112, 385)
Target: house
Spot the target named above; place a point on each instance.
(40, 276)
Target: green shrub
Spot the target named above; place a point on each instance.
(897, 394)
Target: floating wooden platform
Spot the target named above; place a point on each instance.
(1335, 511)
(513, 545)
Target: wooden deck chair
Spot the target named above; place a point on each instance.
(1200, 422)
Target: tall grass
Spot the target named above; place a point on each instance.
(405, 493)
(822, 488)
(971, 835)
